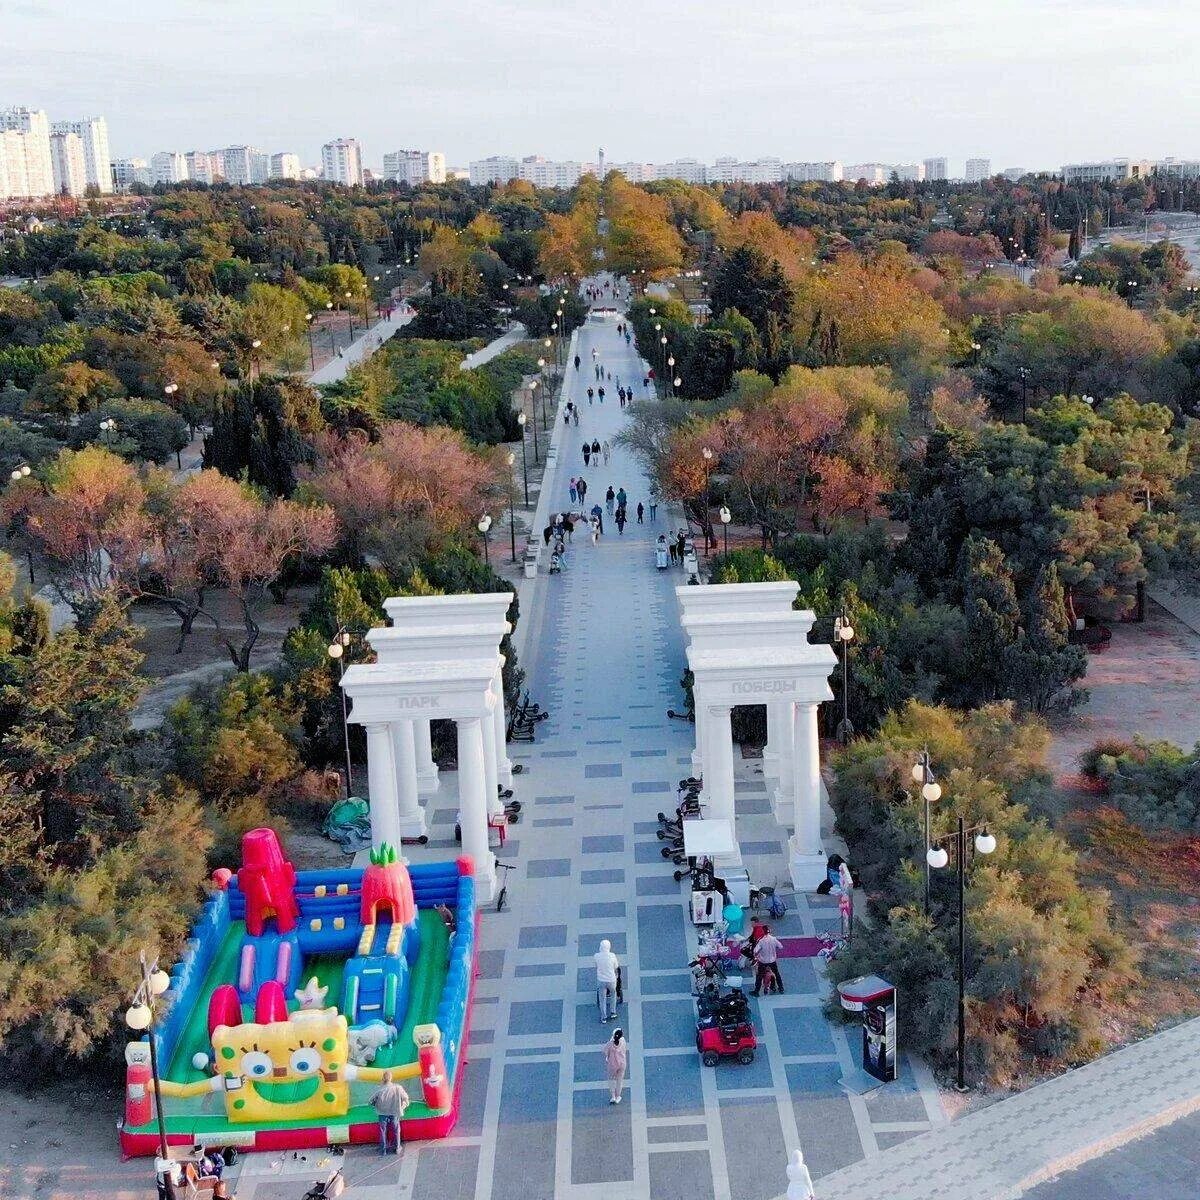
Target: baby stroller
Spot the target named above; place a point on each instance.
(660, 554)
(558, 558)
(334, 1186)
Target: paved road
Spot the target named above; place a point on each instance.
(605, 656)
(1163, 1166)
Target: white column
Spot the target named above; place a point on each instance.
(427, 772)
(784, 798)
(491, 780)
(806, 854)
(381, 781)
(404, 751)
(718, 761)
(504, 767)
(472, 805)
(701, 726)
(771, 749)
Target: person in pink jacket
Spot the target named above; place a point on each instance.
(616, 1060)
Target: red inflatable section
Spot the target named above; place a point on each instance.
(267, 880)
(224, 1008)
(270, 1004)
(386, 888)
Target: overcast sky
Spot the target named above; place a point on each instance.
(1023, 82)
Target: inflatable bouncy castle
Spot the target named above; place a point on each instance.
(297, 990)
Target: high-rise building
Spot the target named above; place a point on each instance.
(128, 171)
(14, 182)
(260, 166)
(978, 169)
(496, 169)
(818, 172)
(34, 128)
(204, 167)
(168, 166)
(935, 168)
(1014, 174)
(415, 166)
(93, 133)
(1175, 168)
(237, 164)
(910, 172)
(549, 173)
(69, 164)
(689, 170)
(341, 161)
(285, 166)
(873, 174)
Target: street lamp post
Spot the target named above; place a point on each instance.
(312, 353)
(521, 419)
(707, 454)
(509, 459)
(937, 857)
(483, 525)
(1024, 374)
(533, 383)
(726, 516)
(108, 427)
(255, 366)
(139, 1016)
(332, 334)
(350, 312)
(337, 651)
(931, 793)
(843, 631)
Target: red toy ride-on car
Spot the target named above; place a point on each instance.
(723, 1029)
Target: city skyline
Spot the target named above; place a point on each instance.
(560, 81)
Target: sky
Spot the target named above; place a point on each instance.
(1030, 83)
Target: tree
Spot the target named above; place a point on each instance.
(640, 236)
(73, 388)
(265, 428)
(756, 287)
(86, 516)
(145, 429)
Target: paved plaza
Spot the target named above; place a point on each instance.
(604, 652)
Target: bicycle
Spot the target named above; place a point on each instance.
(503, 893)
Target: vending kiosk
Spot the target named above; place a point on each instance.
(876, 999)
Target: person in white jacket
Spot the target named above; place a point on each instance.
(606, 981)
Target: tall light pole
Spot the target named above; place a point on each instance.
(1024, 374)
(332, 334)
(843, 631)
(350, 312)
(521, 419)
(726, 516)
(533, 383)
(483, 525)
(337, 651)
(509, 459)
(707, 454)
(931, 793)
(937, 857)
(139, 1016)
(671, 373)
(108, 427)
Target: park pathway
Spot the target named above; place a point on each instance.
(604, 653)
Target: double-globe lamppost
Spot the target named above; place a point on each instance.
(139, 1016)
(533, 386)
(509, 459)
(521, 420)
(938, 856)
(312, 353)
(337, 651)
(707, 454)
(843, 632)
(726, 516)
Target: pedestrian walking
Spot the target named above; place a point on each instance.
(610, 499)
(572, 490)
(645, 383)
(587, 453)
(598, 513)
(607, 451)
(766, 962)
(622, 498)
(616, 1063)
(577, 362)
(641, 512)
(591, 393)
(681, 544)
(674, 553)
(653, 502)
(581, 488)
(621, 521)
(575, 415)
(596, 449)
(595, 524)
(606, 981)
(600, 393)
(389, 1103)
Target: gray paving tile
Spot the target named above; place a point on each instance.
(553, 799)
(774, 848)
(660, 1134)
(608, 908)
(602, 1141)
(602, 771)
(803, 1031)
(650, 787)
(678, 983)
(535, 1016)
(553, 822)
(589, 943)
(448, 1175)
(660, 936)
(537, 970)
(548, 868)
(615, 875)
(820, 1104)
(606, 843)
(681, 1175)
(645, 853)
(539, 936)
(647, 754)
(753, 1121)
(673, 1086)
(657, 885)
(525, 1139)
(490, 963)
(668, 1023)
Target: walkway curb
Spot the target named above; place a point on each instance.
(999, 1152)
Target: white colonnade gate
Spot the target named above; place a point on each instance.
(747, 645)
(439, 659)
